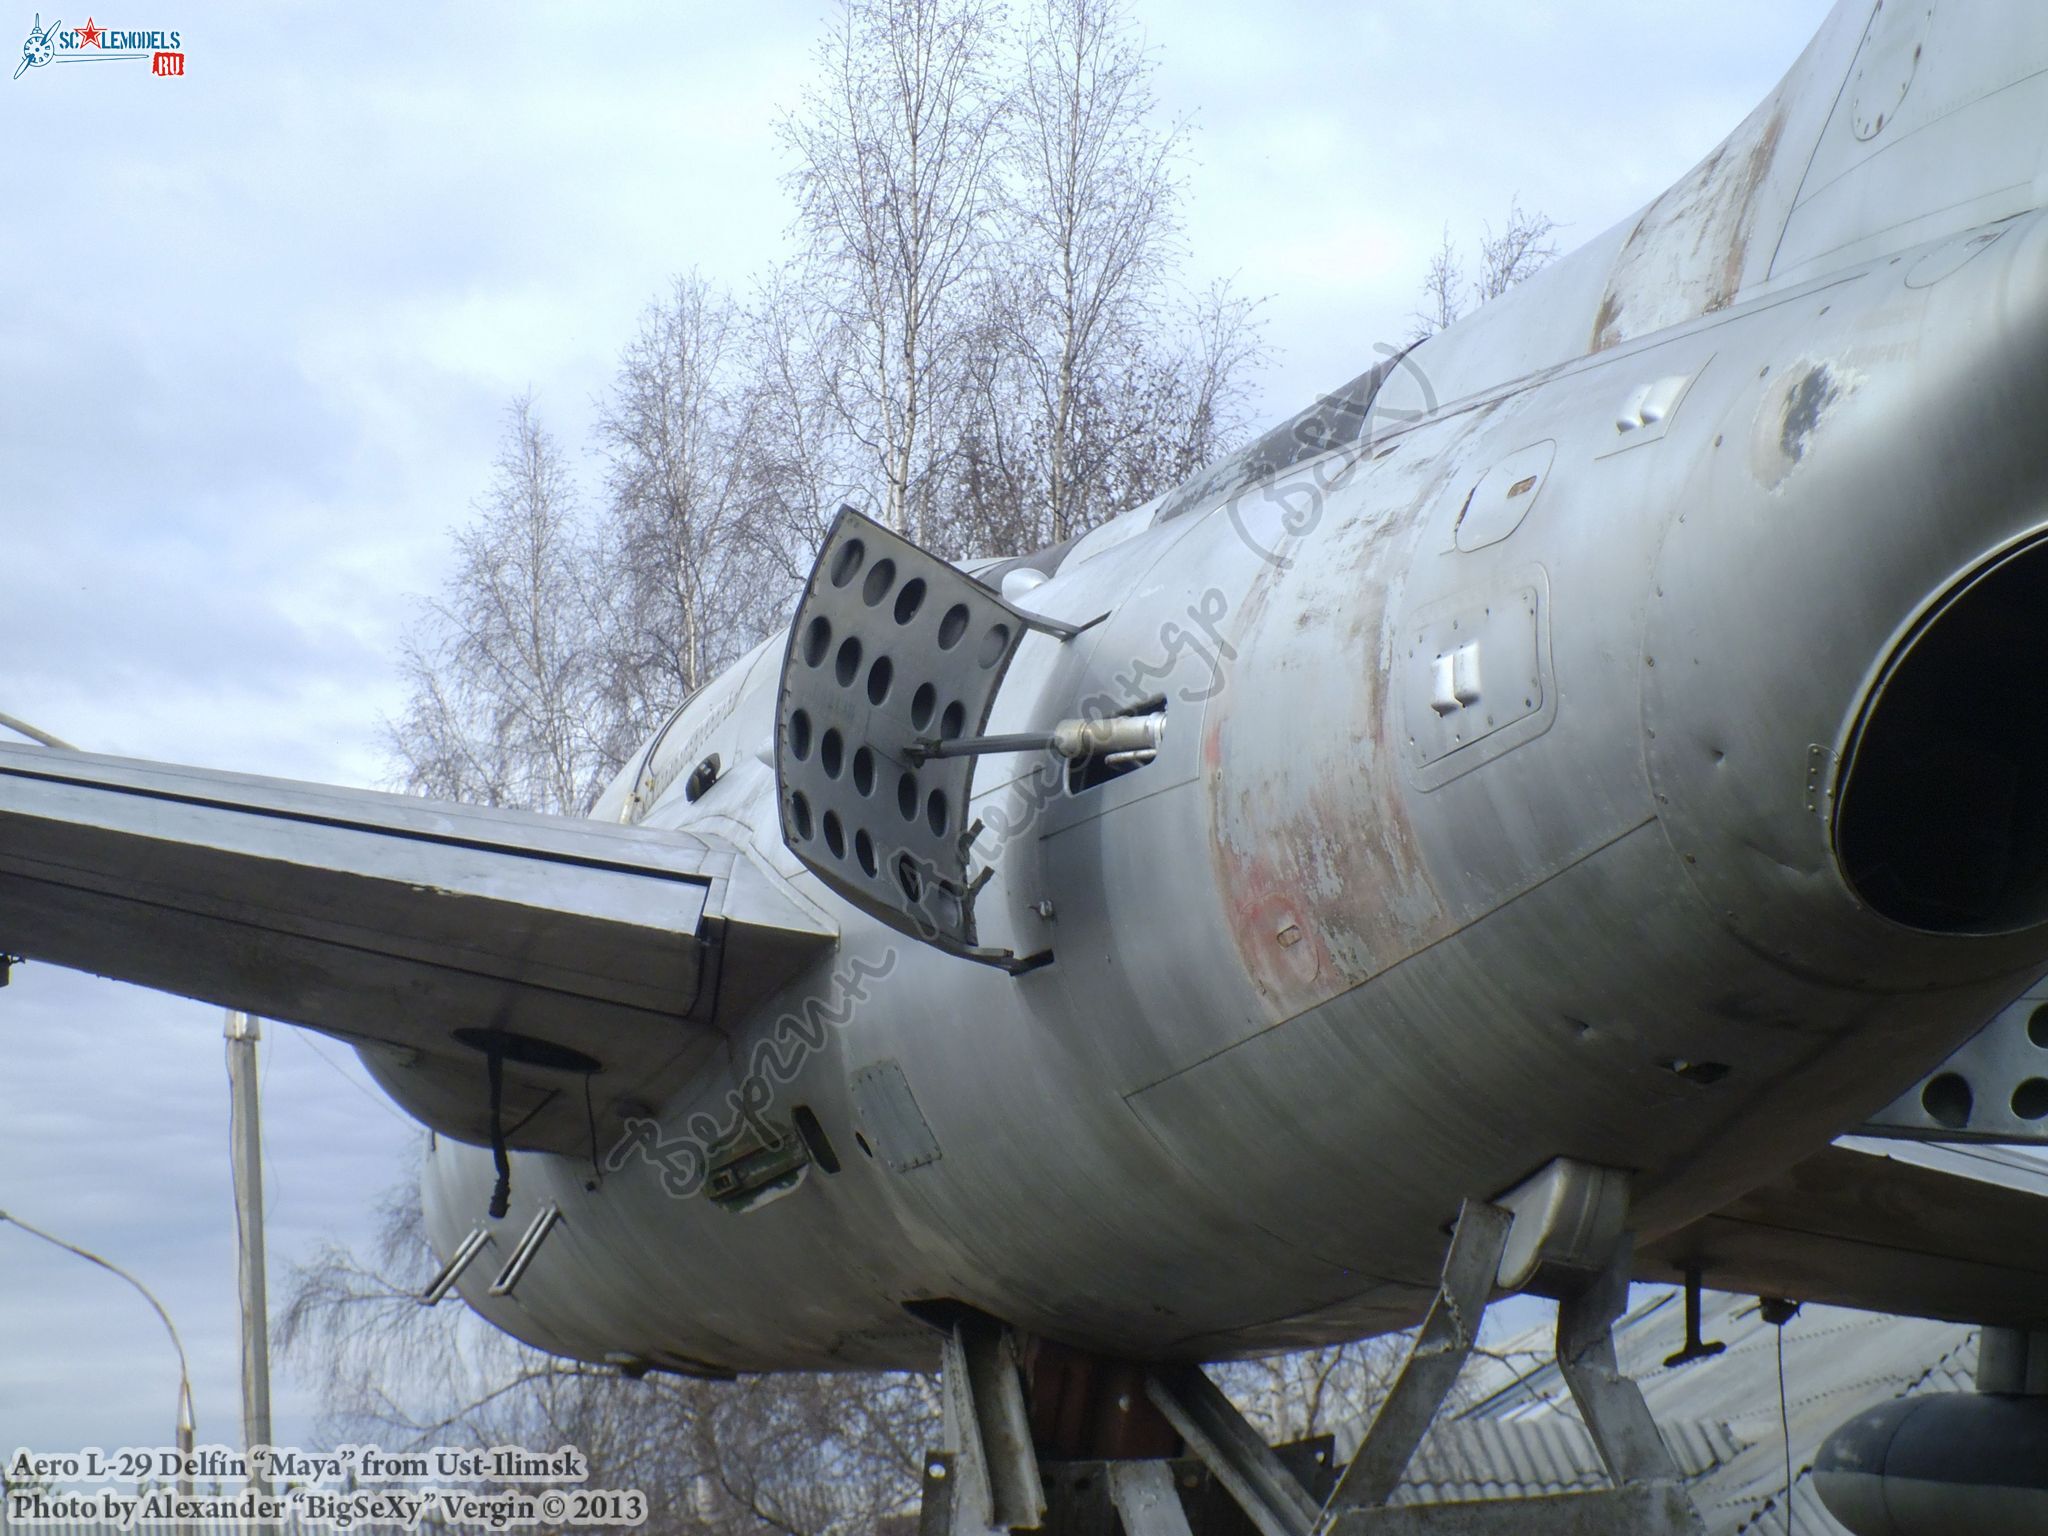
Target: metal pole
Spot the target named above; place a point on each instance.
(245, 1150)
(185, 1418)
(41, 738)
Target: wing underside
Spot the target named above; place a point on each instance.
(601, 965)
(1957, 1233)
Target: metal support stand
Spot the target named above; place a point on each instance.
(1232, 1450)
(1231, 1483)
(992, 1480)
(1648, 1497)
(1434, 1362)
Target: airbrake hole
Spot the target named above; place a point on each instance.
(846, 564)
(1949, 1101)
(847, 666)
(527, 1050)
(817, 640)
(909, 598)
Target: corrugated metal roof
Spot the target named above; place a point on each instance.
(1520, 1436)
(1492, 1458)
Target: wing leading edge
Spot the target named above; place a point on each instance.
(430, 936)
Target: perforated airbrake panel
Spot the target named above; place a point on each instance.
(891, 646)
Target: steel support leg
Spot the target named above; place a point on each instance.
(1648, 1497)
(1434, 1361)
(993, 1476)
(1233, 1451)
(1147, 1501)
(1611, 1404)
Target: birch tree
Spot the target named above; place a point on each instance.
(1522, 248)
(506, 692)
(893, 147)
(1091, 221)
(682, 585)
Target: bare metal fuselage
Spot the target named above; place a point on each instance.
(1495, 819)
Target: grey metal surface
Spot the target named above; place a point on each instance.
(2013, 1361)
(1994, 1089)
(1940, 1463)
(1568, 1219)
(1146, 1499)
(1476, 677)
(984, 1354)
(889, 1117)
(1609, 1401)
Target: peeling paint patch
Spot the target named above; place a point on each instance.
(1815, 391)
(1314, 851)
(1686, 255)
(1793, 413)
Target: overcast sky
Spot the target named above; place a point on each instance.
(257, 329)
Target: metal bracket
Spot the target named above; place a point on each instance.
(544, 1221)
(444, 1278)
(1695, 1347)
(748, 1172)
(1147, 1502)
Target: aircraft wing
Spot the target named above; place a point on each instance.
(431, 936)
(1957, 1233)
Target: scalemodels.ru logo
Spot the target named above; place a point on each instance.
(91, 43)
